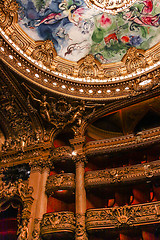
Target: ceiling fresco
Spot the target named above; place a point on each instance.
(77, 30)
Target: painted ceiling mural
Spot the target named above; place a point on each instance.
(77, 30)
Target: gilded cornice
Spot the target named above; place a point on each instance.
(87, 78)
(122, 175)
(126, 216)
(34, 151)
(130, 141)
(63, 181)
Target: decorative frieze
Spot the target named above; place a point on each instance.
(17, 188)
(122, 174)
(60, 181)
(57, 222)
(127, 216)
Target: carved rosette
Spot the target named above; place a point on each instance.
(134, 59)
(63, 181)
(57, 222)
(122, 175)
(80, 227)
(8, 11)
(135, 215)
(44, 52)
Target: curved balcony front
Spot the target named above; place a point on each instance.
(57, 224)
(126, 216)
(61, 154)
(122, 174)
(64, 181)
(117, 144)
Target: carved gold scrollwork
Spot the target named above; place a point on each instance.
(88, 67)
(8, 10)
(57, 222)
(44, 52)
(60, 181)
(121, 175)
(61, 153)
(80, 227)
(132, 215)
(21, 190)
(134, 59)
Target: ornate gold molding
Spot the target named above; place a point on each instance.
(57, 222)
(35, 150)
(61, 153)
(134, 59)
(122, 175)
(44, 52)
(125, 142)
(85, 88)
(63, 181)
(126, 216)
(8, 11)
(80, 227)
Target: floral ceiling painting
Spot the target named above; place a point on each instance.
(77, 30)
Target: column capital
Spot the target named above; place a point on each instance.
(40, 164)
(79, 157)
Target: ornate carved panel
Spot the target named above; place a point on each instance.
(8, 10)
(61, 153)
(127, 216)
(60, 181)
(57, 222)
(88, 67)
(123, 174)
(44, 52)
(134, 59)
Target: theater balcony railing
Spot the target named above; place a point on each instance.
(122, 174)
(57, 222)
(130, 141)
(126, 216)
(61, 154)
(64, 181)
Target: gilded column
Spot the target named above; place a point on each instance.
(80, 159)
(40, 169)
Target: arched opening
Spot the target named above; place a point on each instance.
(10, 215)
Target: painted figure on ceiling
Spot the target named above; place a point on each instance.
(143, 17)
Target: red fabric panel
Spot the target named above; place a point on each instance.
(141, 194)
(94, 201)
(125, 237)
(156, 191)
(121, 199)
(55, 205)
(149, 236)
(58, 143)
